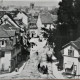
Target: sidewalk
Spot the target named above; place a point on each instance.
(13, 73)
(56, 73)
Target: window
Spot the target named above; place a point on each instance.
(71, 53)
(3, 42)
(2, 54)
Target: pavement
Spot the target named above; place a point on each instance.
(56, 73)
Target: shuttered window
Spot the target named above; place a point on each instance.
(71, 53)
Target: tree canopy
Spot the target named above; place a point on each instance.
(69, 17)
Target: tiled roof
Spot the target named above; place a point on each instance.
(3, 33)
(11, 33)
(9, 27)
(46, 18)
(76, 43)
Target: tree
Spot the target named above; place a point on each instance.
(69, 19)
(54, 11)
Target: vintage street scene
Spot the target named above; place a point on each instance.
(39, 39)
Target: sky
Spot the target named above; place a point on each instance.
(27, 2)
(33, 0)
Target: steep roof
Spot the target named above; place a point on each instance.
(10, 18)
(3, 33)
(75, 43)
(46, 18)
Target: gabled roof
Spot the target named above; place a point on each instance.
(3, 33)
(25, 13)
(75, 44)
(46, 18)
(8, 26)
(11, 18)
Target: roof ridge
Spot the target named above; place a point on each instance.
(9, 15)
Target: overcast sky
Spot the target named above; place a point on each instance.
(33, 0)
(37, 2)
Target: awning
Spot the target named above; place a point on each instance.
(68, 65)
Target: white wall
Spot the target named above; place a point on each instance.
(2, 45)
(71, 60)
(23, 17)
(76, 54)
(5, 60)
(74, 59)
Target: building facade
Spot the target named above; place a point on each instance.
(71, 56)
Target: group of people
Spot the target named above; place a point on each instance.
(43, 69)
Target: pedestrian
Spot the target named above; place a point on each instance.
(39, 68)
(46, 70)
(43, 69)
(9, 69)
(37, 52)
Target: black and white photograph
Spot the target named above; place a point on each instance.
(39, 39)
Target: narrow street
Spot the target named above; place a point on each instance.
(30, 70)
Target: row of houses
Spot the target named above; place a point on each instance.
(14, 30)
(11, 32)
